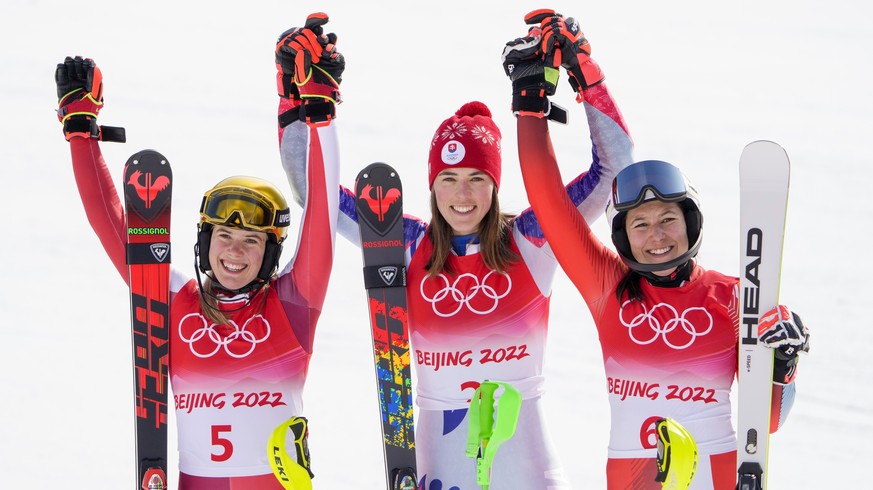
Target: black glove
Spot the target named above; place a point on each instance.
(533, 80)
(80, 98)
(310, 69)
(783, 330)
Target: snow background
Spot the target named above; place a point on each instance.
(696, 81)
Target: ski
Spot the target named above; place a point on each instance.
(379, 206)
(147, 197)
(764, 179)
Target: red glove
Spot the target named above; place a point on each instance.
(566, 46)
(80, 98)
(310, 69)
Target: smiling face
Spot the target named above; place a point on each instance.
(657, 233)
(236, 255)
(463, 197)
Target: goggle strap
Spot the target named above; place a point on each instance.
(283, 218)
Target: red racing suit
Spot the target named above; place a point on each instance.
(233, 384)
(673, 354)
(475, 324)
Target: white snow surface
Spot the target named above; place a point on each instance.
(695, 81)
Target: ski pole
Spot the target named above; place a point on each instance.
(293, 474)
(677, 455)
(486, 434)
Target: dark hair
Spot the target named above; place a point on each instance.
(494, 240)
(631, 284)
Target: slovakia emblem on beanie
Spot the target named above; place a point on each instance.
(469, 139)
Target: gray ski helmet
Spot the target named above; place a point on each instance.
(645, 181)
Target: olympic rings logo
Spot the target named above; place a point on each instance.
(480, 297)
(693, 326)
(210, 335)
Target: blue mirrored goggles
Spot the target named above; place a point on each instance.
(664, 180)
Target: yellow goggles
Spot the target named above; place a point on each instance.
(242, 208)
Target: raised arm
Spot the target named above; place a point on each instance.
(80, 95)
(309, 73)
(303, 96)
(565, 45)
(586, 261)
(309, 100)
(560, 212)
(533, 63)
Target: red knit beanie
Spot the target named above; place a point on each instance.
(468, 139)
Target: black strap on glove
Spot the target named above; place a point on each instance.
(80, 126)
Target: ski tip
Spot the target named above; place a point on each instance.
(375, 165)
(762, 142)
(760, 151)
(381, 169)
(764, 145)
(148, 154)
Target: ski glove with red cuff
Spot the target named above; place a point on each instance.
(533, 79)
(80, 98)
(310, 70)
(783, 330)
(565, 45)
